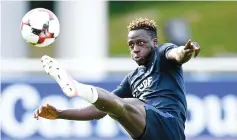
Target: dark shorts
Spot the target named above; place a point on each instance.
(162, 126)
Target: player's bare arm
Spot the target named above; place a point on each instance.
(50, 112)
(84, 114)
(183, 54)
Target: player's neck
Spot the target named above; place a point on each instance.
(149, 59)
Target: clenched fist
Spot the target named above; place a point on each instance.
(47, 112)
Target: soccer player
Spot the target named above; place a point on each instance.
(149, 103)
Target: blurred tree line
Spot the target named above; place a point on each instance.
(213, 24)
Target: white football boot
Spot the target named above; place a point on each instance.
(55, 70)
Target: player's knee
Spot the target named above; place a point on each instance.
(126, 111)
(116, 108)
(120, 108)
(128, 107)
(125, 108)
(121, 111)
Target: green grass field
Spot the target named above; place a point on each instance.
(213, 24)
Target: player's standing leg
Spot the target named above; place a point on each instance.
(130, 113)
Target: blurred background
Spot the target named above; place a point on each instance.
(92, 47)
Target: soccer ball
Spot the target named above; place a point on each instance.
(40, 27)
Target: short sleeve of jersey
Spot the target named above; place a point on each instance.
(123, 89)
(165, 48)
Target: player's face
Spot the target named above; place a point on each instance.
(141, 46)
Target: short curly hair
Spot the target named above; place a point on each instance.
(144, 23)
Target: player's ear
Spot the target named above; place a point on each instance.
(155, 42)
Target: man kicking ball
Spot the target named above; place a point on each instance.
(149, 103)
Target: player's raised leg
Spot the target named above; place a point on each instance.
(130, 113)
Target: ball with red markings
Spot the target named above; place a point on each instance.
(40, 27)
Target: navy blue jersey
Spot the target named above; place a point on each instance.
(159, 84)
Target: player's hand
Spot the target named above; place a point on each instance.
(191, 47)
(47, 111)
